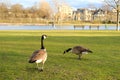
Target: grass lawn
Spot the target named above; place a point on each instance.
(17, 46)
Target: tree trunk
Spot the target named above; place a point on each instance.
(117, 21)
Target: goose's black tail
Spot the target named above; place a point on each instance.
(89, 51)
(69, 49)
(31, 61)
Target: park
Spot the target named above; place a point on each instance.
(91, 25)
(16, 46)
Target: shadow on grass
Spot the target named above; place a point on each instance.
(28, 69)
(75, 58)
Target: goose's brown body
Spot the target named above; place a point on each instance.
(39, 56)
(78, 50)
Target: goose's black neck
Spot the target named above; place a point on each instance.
(42, 45)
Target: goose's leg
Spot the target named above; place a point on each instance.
(42, 66)
(80, 56)
(38, 66)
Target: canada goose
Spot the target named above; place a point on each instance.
(39, 56)
(78, 50)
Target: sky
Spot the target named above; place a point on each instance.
(72, 3)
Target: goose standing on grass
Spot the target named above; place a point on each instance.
(39, 56)
(78, 50)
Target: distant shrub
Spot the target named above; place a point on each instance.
(109, 22)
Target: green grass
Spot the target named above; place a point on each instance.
(17, 46)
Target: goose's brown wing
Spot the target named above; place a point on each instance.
(79, 49)
(38, 54)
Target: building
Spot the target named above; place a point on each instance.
(82, 15)
(65, 12)
(90, 15)
(99, 15)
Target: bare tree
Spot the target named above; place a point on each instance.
(3, 11)
(108, 13)
(17, 10)
(115, 4)
(45, 10)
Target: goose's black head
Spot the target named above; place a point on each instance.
(44, 37)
